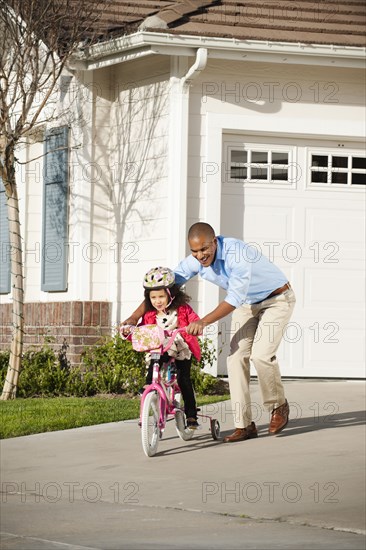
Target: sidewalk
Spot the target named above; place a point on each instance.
(94, 488)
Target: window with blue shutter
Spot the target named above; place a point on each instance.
(55, 210)
(4, 243)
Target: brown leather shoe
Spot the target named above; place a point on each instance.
(241, 434)
(279, 418)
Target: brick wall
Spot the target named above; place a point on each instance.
(78, 323)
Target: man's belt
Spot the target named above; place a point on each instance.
(280, 290)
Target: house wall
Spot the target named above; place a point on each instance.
(119, 157)
(71, 324)
(138, 163)
(117, 203)
(90, 204)
(324, 96)
(304, 108)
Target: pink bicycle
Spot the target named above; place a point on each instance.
(161, 401)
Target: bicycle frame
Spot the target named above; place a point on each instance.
(162, 387)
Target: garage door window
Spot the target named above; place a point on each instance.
(337, 169)
(255, 165)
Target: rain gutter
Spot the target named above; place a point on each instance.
(144, 43)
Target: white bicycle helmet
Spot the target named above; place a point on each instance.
(159, 277)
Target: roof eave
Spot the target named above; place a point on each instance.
(145, 43)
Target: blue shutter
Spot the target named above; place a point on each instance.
(55, 210)
(4, 243)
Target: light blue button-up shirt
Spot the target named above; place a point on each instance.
(247, 275)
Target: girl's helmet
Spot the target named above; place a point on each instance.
(159, 277)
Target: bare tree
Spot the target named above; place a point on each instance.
(37, 38)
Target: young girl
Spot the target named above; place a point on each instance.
(167, 306)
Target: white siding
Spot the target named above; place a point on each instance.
(30, 184)
(279, 92)
(118, 185)
(119, 197)
(139, 149)
(328, 106)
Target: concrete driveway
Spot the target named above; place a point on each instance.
(94, 488)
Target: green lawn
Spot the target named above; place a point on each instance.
(31, 416)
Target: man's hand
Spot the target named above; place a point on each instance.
(223, 309)
(196, 328)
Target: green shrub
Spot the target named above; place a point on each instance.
(204, 383)
(116, 366)
(46, 373)
(41, 374)
(112, 366)
(4, 362)
(81, 383)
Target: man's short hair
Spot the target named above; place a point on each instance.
(200, 229)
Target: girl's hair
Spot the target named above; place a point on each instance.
(179, 298)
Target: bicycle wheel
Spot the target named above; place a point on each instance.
(150, 424)
(180, 425)
(215, 429)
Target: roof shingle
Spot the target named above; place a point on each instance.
(332, 22)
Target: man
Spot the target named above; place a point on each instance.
(261, 301)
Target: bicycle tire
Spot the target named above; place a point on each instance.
(150, 432)
(215, 429)
(180, 425)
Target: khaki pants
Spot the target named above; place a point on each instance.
(256, 333)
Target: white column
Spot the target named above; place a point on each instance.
(81, 195)
(178, 153)
(180, 81)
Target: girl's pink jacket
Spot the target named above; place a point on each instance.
(185, 316)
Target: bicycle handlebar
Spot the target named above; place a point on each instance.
(171, 334)
(132, 327)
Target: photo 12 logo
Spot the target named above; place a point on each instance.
(269, 491)
(53, 491)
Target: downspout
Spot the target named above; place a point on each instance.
(178, 153)
(197, 67)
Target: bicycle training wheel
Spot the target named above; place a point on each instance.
(180, 425)
(150, 424)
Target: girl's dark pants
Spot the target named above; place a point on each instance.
(184, 383)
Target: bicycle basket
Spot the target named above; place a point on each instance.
(147, 338)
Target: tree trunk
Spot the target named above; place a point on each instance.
(11, 380)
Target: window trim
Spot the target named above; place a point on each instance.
(329, 169)
(269, 148)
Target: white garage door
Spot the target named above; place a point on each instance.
(302, 203)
